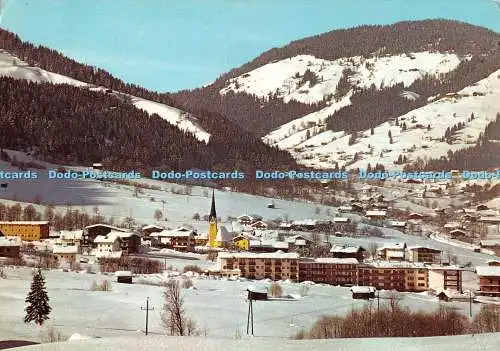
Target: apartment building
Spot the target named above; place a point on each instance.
(26, 230)
(275, 266)
(334, 271)
(400, 276)
(445, 278)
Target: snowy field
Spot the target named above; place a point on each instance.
(218, 306)
(119, 201)
(484, 342)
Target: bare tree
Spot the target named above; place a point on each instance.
(372, 249)
(173, 317)
(158, 215)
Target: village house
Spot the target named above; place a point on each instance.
(493, 263)
(398, 224)
(70, 238)
(249, 219)
(129, 242)
(447, 278)
(10, 246)
(181, 238)
(491, 244)
(346, 209)
(26, 230)
(147, 230)
(457, 233)
(91, 232)
(259, 225)
(341, 220)
(392, 252)
(305, 224)
(259, 245)
(415, 215)
(242, 242)
(357, 207)
(298, 242)
(424, 254)
(275, 266)
(341, 251)
(107, 245)
(65, 253)
(333, 271)
(376, 214)
(285, 226)
(400, 276)
(489, 280)
(489, 219)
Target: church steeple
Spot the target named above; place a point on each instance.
(213, 213)
(212, 226)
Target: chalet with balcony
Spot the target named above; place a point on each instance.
(489, 280)
(392, 252)
(342, 251)
(10, 246)
(376, 214)
(424, 254)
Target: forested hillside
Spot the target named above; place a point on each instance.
(72, 125)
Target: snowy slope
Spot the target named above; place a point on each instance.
(481, 99)
(11, 66)
(284, 77)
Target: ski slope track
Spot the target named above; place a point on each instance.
(11, 66)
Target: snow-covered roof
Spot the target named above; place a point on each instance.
(436, 267)
(177, 232)
(362, 289)
(488, 271)
(25, 222)
(71, 235)
(397, 224)
(393, 246)
(346, 249)
(269, 243)
(152, 226)
(374, 213)
(305, 222)
(491, 219)
(278, 255)
(123, 273)
(107, 226)
(105, 239)
(490, 242)
(416, 247)
(402, 264)
(450, 225)
(257, 289)
(340, 219)
(10, 241)
(223, 235)
(331, 260)
(61, 249)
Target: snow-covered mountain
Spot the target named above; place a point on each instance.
(417, 133)
(285, 78)
(11, 66)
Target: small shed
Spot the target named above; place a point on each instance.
(124, 277)
(363, 292)
(257, 293)
(444, 296)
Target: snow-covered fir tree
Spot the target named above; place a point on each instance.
(38, 308)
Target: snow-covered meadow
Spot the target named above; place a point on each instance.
(218, 306)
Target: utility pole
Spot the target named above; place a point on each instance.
(470, 303)
(147, 309)
(378, 300)
(250, 314)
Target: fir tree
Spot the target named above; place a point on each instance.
(38, 308)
